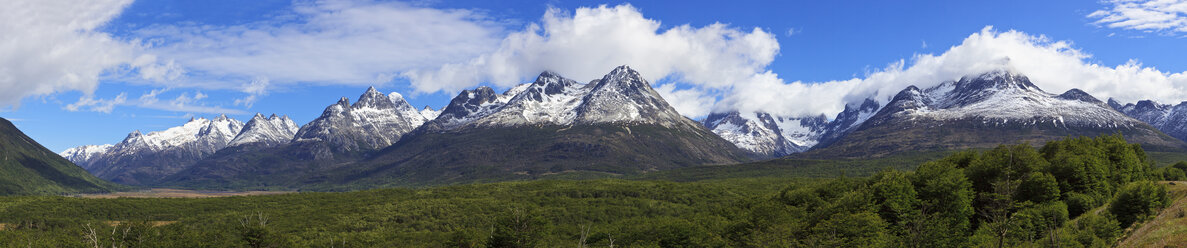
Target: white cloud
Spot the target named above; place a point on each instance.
(1167, 16)
(323, 42)
(97, 105)
(184, 102)
(592, 41)
(51, 46)
(689, 102)
(256, 88)
(1054, 66)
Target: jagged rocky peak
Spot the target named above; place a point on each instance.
(1000, 98)
(83, 155)
(766, 134)
(271, 131)
(375, 121)
(429, 113)
(141, 157)
(624, 96)
(1170, 119)
(467, 106)
(372, 98)
(547, 84)
(1079, 95)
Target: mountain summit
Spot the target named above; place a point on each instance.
(980, 111)
(372, 123)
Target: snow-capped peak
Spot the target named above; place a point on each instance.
(83, 155)
(374, 122)
(269, 131)
(999, 98)
(1170, 119)
(429, 113)
(767, 134)
(622, 96)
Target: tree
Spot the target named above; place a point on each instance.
(517, 229)
(945, 205)
(1038, 187)
(1137, 201)
(863, 229)
(1043, 221)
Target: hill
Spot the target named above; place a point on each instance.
(29, 168)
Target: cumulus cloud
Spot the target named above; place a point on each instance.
(590, 42)
(323, 42)
(722, 68)
(53, 46)
(1054, 66)
(1167, 16)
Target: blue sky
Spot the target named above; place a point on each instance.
(163, 62)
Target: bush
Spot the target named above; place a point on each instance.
(1173, 174)
(1138, 200)
(1079, 203)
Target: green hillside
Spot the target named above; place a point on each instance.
(28, 168)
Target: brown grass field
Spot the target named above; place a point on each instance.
(178, 193)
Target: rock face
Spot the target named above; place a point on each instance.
(271, 131)
(144, 158)
(372, 123)
(766, 134)
(1170, 119)
(83, 155)
(622, 96)
(616, 124)
(429, 113)
(986, 110)
(849, 118)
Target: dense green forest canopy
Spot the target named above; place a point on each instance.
(1078, 192)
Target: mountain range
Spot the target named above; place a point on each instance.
(976, 111)
(617, 124)
(554, 125)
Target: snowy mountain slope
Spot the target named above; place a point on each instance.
(765, 134)
(983, 111)
(1170, 119)
(143, 158)
(622, 96)
(429, 113)
(83, 155)
(271, 131)
(848, 119)
(374, 122)
(551, 99)
(998, 98)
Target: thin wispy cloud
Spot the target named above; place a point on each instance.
(184, 102)
(1160, 16)
(327, 42)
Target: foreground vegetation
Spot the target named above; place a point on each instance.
(1073, 193)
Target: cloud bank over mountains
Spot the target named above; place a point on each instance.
(57, 46)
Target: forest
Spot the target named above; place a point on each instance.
(1076, 192)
